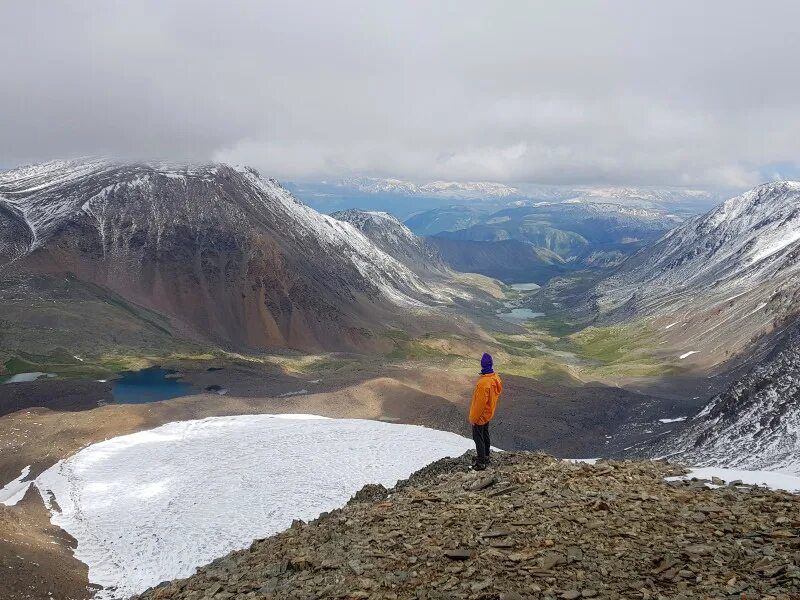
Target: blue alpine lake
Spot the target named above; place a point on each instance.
(148, 385)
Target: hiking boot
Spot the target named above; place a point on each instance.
(479, 466)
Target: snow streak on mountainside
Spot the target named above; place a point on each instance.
(154, 505)
(216, 248)
(754, 424)
(720, 280)
(397, 240)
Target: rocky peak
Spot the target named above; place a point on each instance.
(397, 240)
(530, 527)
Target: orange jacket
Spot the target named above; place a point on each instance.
(484, 399)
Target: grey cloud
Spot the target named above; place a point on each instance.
(678, 93)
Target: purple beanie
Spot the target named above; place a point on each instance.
(486, 363)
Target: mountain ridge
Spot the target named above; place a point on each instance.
(227, 256)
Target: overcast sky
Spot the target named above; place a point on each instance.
(664, 93)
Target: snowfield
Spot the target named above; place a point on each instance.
(154, 505)
(770, 479)
(15, 489)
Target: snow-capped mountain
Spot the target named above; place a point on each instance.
(223, 253)
(397, 240)
(754, 424)
(721, 279)
(662, 199)
(653, 198)
(444, 189)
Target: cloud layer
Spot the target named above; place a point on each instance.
(677, 93)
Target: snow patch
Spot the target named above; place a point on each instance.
(14, 490)
(295, 393)
(770, 479)
(687, 354)
(733, 297)
(675, 420)
(154, 505)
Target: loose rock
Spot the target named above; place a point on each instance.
(559, 530)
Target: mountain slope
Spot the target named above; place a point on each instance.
(511, 261)
(720, 280)
(396, 240)
(754, 424)
(222, 254)
(446, 218)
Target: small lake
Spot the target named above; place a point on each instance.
(525, 287)
(148, 385)
(519, 315)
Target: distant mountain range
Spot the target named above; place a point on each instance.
(673, 200)
(404, 199)
(579, 235)
(444, 189)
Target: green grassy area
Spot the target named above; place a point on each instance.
(610, 344)
(551, 347)
(425, 348)
(619, 351)
(553, 326)
(542, 369)
(64, 319)
(105, 366)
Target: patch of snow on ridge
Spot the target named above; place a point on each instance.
(770, 479)
(154, 505)
(687, 354)
(15, 490)
(675, 420)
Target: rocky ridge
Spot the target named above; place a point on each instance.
(396, 240)
(531, 526)
(720, 281)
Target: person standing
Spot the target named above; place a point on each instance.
(481, 411)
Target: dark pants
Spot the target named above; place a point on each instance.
(480, 433)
